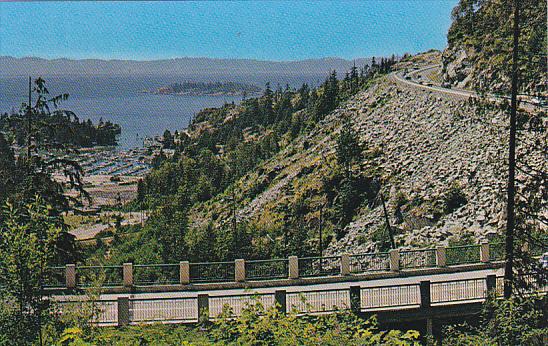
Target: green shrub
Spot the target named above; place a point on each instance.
(514, 321)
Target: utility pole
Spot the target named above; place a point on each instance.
(320, 226)
(387, 220)
(233, 196)
(510, 222)
(29, 119)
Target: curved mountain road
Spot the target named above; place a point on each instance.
(399, 77)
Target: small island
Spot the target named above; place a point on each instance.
(192, 88)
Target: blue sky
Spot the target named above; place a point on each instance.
(270, 30)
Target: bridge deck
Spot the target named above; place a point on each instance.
(399, 297)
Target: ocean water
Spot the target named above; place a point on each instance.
(121, 100)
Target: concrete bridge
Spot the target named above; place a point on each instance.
(407, 285)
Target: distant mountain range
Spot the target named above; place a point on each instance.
(11, 66)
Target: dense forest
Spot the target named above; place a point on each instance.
(209, 88)
(223, 144)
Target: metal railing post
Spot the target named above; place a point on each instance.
(394, 260)
(293, 267)
(484, 252)
(128, 274)
(203, 308)
(355, 299)
(441, 257)
(280, 298)
(184, 272)
(345, 264)
(70, 276)
(123, 311)
(239, 270)
(425, 294)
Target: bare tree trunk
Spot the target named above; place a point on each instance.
(510, 222)
(387, 220)
(29, 119)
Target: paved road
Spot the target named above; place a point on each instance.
(399, 76)
(303, 288)
(461, 93)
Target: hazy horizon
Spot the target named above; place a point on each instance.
(194, 57)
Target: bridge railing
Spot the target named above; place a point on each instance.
(55, 277)
(403, 295)
(369, 262)
(423, 258)
(497, 251)
(156, 274)
(317, 301)
(399, 296)
(267, 269)
(458, 290)
(184, 273)
(465, 254)
(212, 272)
(319, 266)
(106, 276)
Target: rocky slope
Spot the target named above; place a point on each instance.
(427, 147)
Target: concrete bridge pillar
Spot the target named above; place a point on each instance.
(441, 259)
(70, 276)
(345, 264)
(293, 267)
(239, 270)
(128, 274)
(184, 272)
(394, 260)
(484, 252)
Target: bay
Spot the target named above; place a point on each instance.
(120, 99)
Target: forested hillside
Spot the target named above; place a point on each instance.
(221, 150)
(479, 49)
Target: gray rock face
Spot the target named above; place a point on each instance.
(431, 142)
(457, 70)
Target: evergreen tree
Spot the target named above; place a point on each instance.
(28, 245)
(167, 140)
(8, 176)
(349, 150)
(267, 109)
(328, 100)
